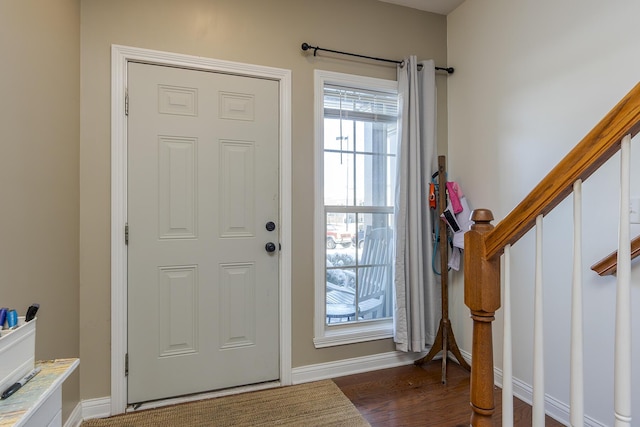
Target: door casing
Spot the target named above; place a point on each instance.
(120, 56)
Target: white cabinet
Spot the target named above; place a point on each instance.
(39, 402)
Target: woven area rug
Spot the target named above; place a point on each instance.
(312, 404)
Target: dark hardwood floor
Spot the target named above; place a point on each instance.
(415, 396)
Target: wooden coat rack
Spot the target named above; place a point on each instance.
(445, 341)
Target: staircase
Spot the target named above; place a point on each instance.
(485, 245)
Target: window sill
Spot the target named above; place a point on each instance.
(341, 335)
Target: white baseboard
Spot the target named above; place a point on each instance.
(554, 408)
(352, 366)
(466, 356)
(96, 408)
(75, 418)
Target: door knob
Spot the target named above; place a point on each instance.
(270, 226)
(270, 247)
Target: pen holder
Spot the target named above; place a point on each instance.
(17, 352)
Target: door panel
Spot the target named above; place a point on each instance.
(202, 183)
(177, 173)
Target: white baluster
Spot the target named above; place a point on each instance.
(622, 359)
(538, 332)
(507, 371)
(577, 371)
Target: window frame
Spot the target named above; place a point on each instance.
(338, 334)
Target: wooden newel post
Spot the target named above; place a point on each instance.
(482, 296)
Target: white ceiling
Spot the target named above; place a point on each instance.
(443, 7)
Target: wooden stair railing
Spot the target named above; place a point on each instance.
(609, 264)
(484, 244)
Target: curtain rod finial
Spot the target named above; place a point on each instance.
(306, 46)
(449, 70)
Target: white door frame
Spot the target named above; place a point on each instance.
(120, 56)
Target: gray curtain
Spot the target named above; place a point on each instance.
(417, 288)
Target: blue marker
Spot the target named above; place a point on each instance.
(3, 317)
(12, 319)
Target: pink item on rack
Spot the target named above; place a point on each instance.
(455, 194)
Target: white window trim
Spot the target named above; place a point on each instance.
(325, 336)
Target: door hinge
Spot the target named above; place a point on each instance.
(126, 102)
(126, 364)
(126, 233)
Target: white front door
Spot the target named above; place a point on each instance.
(202, 192)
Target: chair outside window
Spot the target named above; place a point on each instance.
(359, 292)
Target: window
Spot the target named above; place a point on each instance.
(356, 133)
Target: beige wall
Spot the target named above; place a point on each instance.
(39, 184)
(533, 77)
(259, 32)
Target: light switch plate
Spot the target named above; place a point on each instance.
(634, 208)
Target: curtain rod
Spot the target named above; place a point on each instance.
(306, 46)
